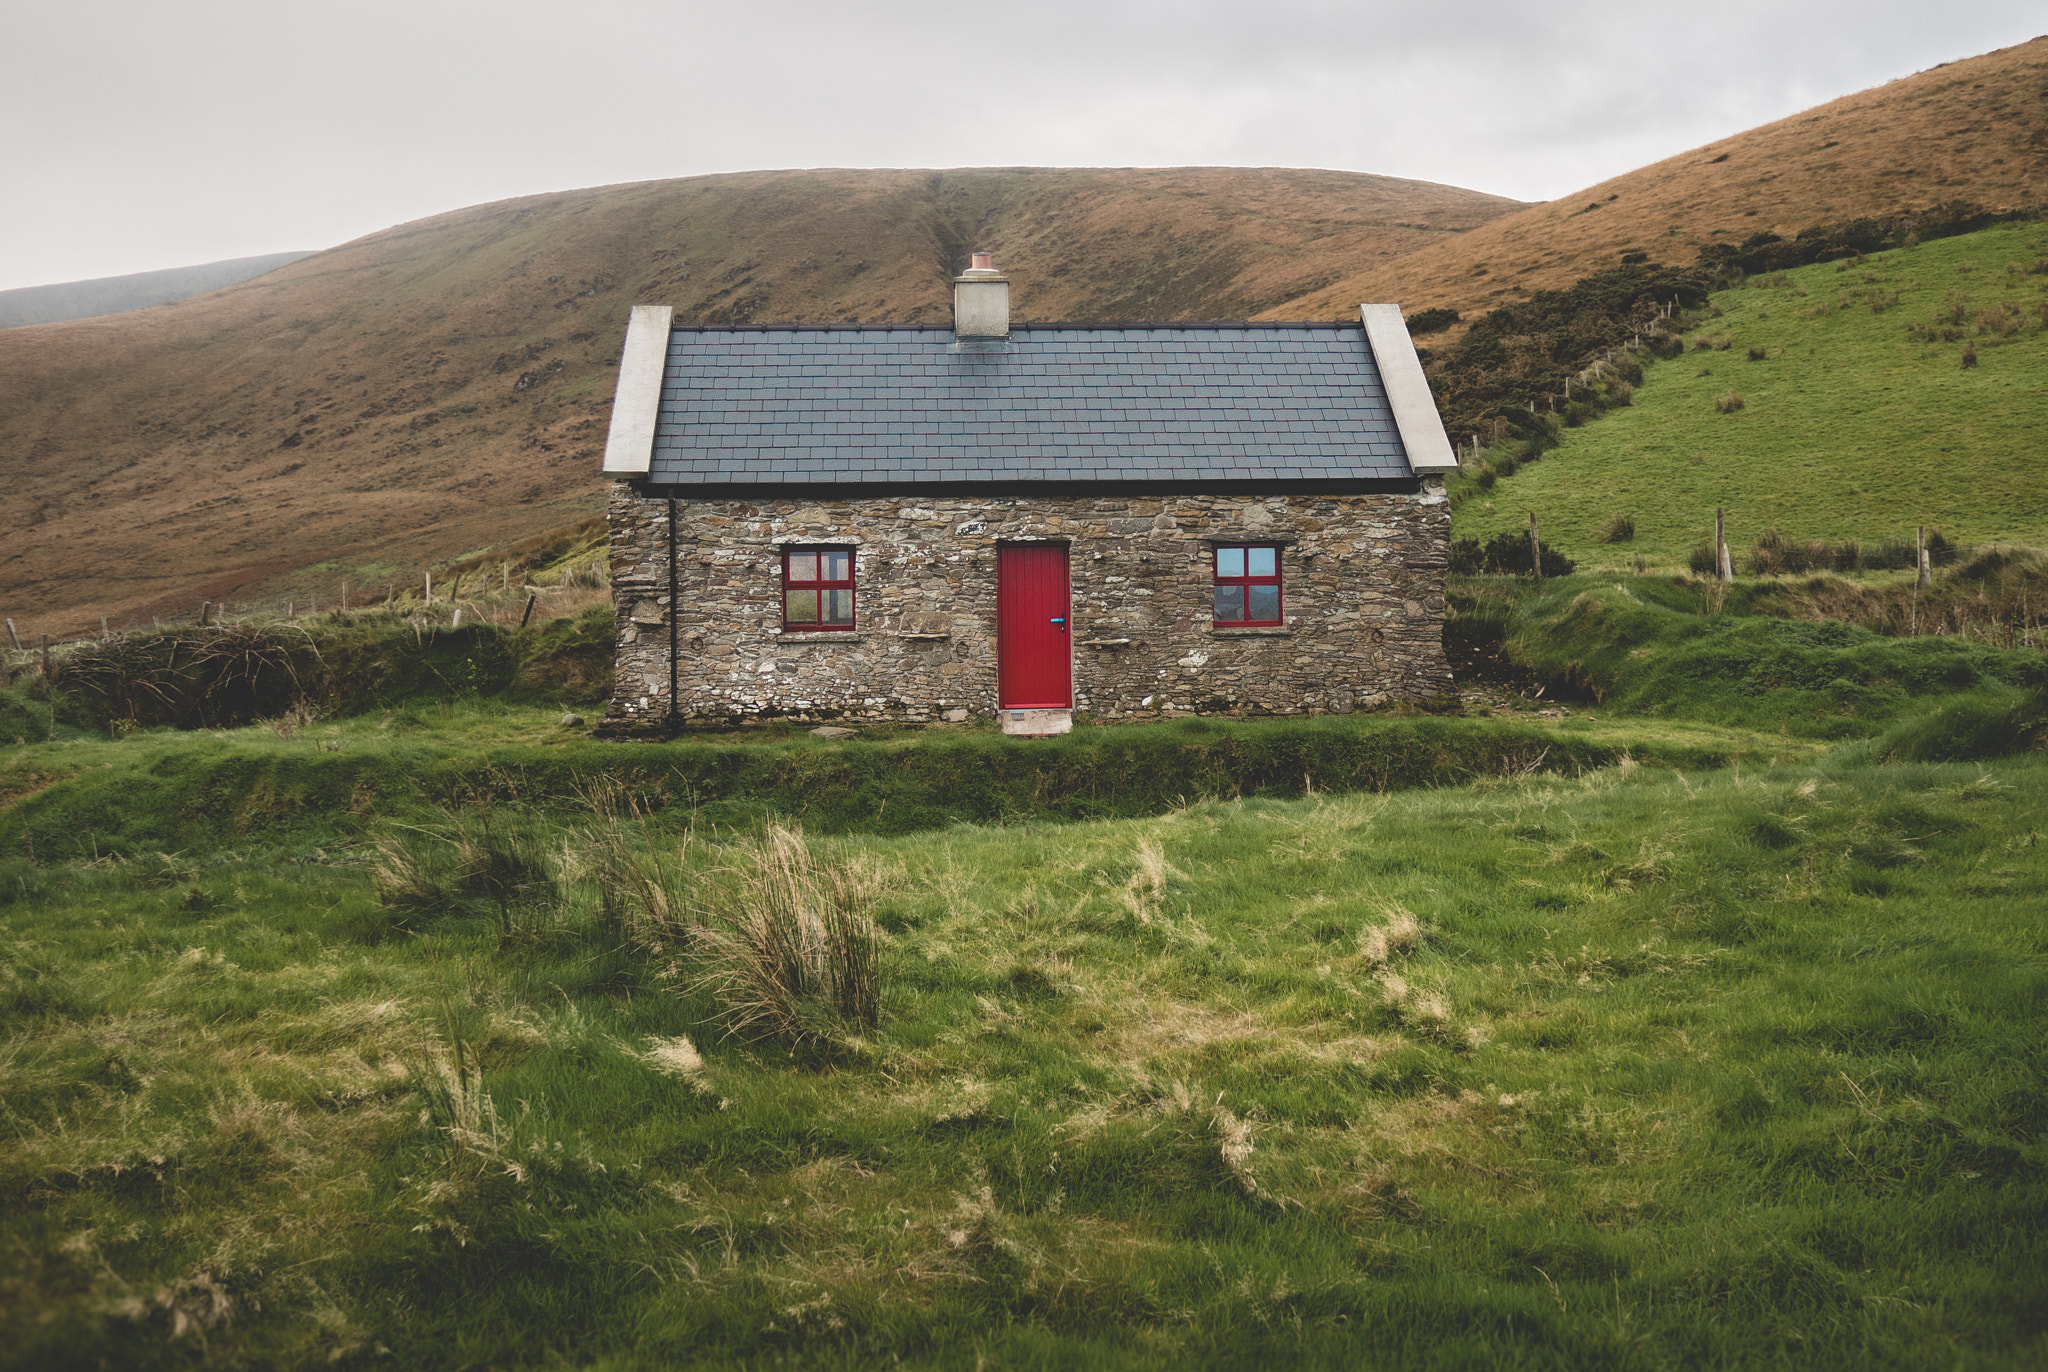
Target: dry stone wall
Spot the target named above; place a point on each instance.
(1362, 575)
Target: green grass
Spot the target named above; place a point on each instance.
(1662, 648)
(1641, 1070)
(1851, 427)
(162, 790)
(1694, 1022)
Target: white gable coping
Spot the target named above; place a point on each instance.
(629, 450)
(1415, 413)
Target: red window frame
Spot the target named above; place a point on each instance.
(1233, 565)
(818, 583)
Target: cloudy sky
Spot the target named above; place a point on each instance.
(145, 134)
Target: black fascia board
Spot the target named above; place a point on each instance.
(1051, 490)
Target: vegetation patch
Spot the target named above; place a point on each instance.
(1858, 423)
(1618, 1065)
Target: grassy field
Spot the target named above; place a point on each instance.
(1630, 1069)
(1691, 1022)
(1857, 421)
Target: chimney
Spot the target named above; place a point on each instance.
(981, 300)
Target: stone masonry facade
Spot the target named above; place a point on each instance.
(1362, 576)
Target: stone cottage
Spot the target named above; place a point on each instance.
(1025, 521)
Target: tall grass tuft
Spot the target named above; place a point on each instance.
(1619, 528)
(483, 855)
(789, 944)
(643, 895)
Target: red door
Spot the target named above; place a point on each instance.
(1032, 638)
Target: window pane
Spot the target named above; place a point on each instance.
(838, 607)
(1229, 562)
(1263, 562)
(1229, 604)
(1265, 602)
(800, 607)
(803, 566)
(832, 566)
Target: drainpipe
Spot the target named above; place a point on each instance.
(675, 610)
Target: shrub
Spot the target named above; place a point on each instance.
(1728, 403)
(1431, 320)
(1702, 560)
(1664, 345)
(1969, 356)
(1619, 528)
(1505, 554)
(1758, 354)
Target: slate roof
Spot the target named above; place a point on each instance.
(870, 406)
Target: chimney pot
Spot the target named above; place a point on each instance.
(982, 262)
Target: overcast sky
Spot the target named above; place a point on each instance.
(156, 133)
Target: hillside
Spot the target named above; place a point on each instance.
(1974, 131)
(139, 290)
(442, 386)
(1858, 421)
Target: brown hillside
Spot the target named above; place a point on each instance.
(443, 386)
(1973, 131)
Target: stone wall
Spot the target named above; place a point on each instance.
(1363, 579)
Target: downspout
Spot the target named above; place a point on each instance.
(675, 610)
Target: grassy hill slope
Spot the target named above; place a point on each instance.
(1858, 422)
(443, 385)
(112, 294)
(1974, 131)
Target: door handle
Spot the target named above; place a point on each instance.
(1061, 621)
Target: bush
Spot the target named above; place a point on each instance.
(1728, 403)
(1431, 321)
(1702, 560)
(1505, 554)
(1619, 528)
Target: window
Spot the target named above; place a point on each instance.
(1247, 584)
(817, 588)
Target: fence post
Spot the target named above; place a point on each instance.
(103, 629)
(204, 607)
(14, 635)
(430, 588)
(46, 657)
(1724, 565)
(529, 610)
(1535, 548)
(1922, 566)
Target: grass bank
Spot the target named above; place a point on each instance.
(1627, 1069)
(1659, 647)
(325, 783)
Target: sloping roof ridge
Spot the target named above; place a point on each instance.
(1026, 325)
